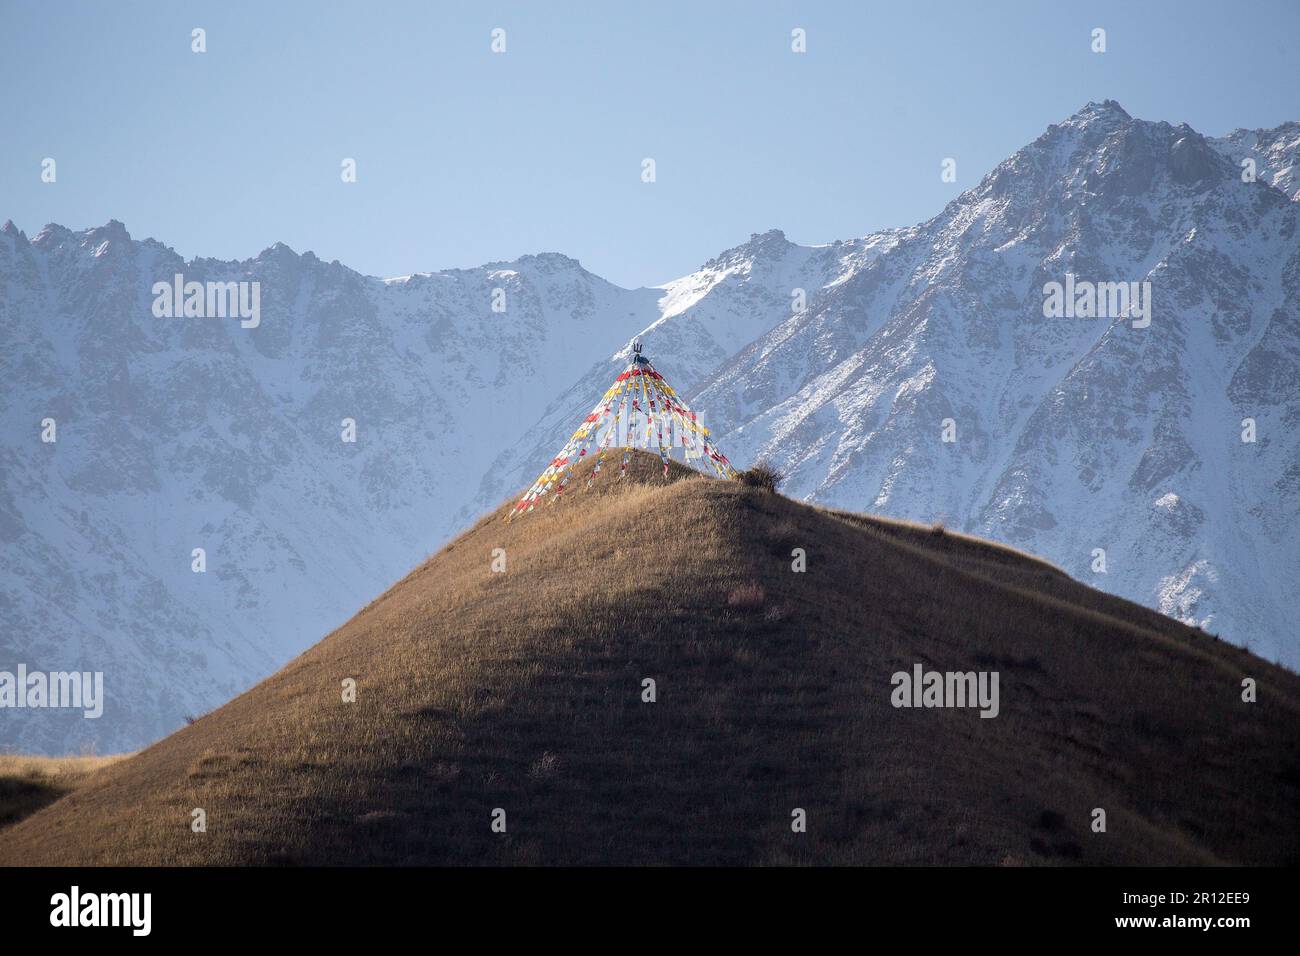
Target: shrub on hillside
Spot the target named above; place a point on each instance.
(763, 476)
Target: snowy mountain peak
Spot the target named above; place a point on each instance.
(277, 253)
(51, 235)
(550, 259)
(1109, 160)
(545, 266)
(1107, 112)
(765, 246)
(113, 229)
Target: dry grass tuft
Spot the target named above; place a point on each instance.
(747, 597)
(762, 476)
(545, 767)
(777, 613)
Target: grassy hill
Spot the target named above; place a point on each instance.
(523, 690)
(29, 783)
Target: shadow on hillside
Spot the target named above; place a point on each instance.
(20, 797)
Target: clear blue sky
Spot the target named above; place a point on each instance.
(466, 157)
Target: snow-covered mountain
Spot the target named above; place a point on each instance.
(839, 363)
(1276, 154)
(1072, 435)
(173, 434)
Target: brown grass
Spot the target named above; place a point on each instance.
(524, 690)
(29, 783)
(747, 597)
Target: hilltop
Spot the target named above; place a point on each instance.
(523, 690)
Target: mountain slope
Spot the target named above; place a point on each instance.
(523, 690)
(1276, 153)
